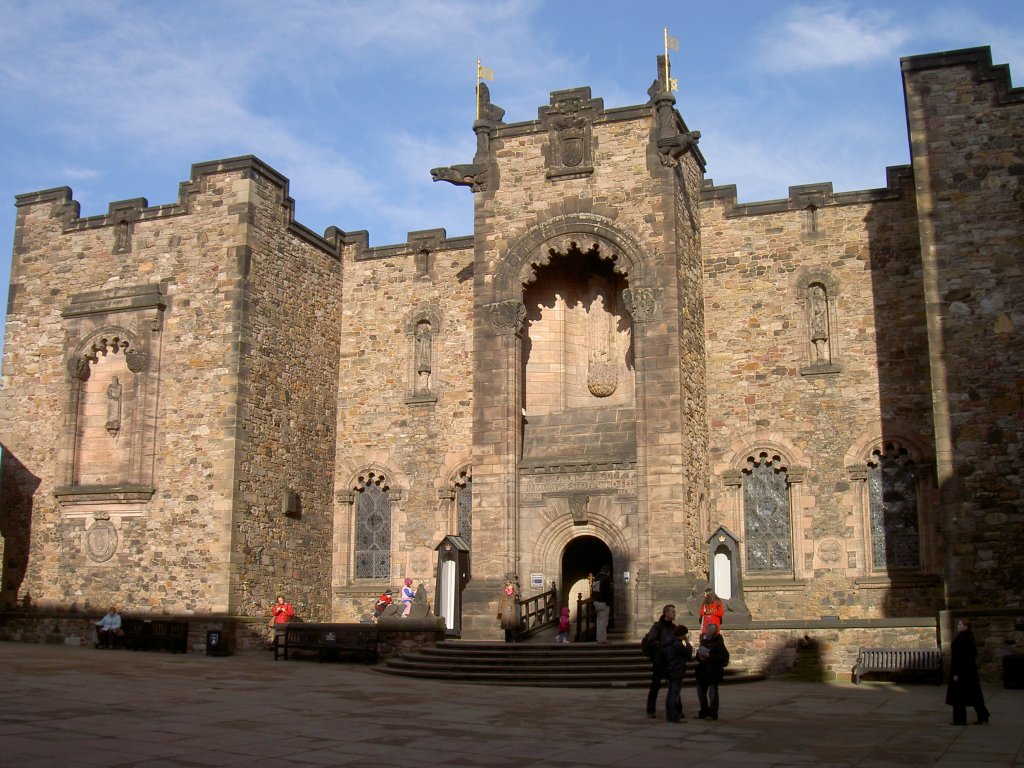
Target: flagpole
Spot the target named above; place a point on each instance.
(668, 84)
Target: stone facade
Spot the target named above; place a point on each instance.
(811, 403)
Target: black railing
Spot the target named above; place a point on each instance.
(538, 613)
(586, 619)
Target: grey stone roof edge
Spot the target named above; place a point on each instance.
(461, 242)
(899, 180)
(980, 59)
(330, 242)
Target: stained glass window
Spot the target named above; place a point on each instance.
(766, 515)
(464, 509)
(892, 491)
(373, 529)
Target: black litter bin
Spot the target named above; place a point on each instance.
(1013, 671)
(216, 643)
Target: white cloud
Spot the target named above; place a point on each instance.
(831, 35)
(79, 173)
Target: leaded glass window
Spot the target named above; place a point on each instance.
(892, 494)
(373, 528)
(464, 508)
(769, 542)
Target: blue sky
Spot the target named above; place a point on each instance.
(355, 100)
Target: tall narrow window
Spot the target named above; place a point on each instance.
(373, 528)
(892, 494)
(769, 542)
(464, 508)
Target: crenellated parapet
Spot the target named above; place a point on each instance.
(899, 184)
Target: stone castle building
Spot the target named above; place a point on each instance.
(813, 403)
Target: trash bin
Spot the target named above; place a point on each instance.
(216, 643)
(1013, 671)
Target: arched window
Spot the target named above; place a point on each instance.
(464, 506)
(892, 500)
(766, 515)
(373, 527)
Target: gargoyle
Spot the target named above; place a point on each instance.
(468, 175)
(672, 148)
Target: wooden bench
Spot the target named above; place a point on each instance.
(329, 640)
(155, 635)
(898, 660)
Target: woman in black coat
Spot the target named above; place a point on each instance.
(964, 688)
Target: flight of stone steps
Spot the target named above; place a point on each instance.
(580, 665)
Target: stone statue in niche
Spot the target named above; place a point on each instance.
(818, 306)
(602, 376)
(114, 406)
(122, 236)
(424, 341)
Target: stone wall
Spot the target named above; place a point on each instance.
(183, 283)
(290, 315)
(156, 535)
(417, 439)
(967, 135)
(820, 419)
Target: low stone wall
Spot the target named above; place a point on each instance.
(819, 651)
(240, 634)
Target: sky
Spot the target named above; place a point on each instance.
(355, 100)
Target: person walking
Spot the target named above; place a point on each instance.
(602, 594)
(564, 626)
(712, 659)
(964, 689)
(679, 652)
(655, 647)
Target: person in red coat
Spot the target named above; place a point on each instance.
(282, 611)
(711, 610)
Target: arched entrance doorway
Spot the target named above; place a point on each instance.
(582, 559)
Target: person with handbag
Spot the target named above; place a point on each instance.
(508, 612)
(655, 647)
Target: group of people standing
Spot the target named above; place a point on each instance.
(668, 647)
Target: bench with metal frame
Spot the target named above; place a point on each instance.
(898, 660)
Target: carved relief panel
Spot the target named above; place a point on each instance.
(569, 121)
(111, 362)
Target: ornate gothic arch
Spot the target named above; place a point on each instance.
(114, 339)
(557, 235)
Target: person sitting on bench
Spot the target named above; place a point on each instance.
(108, 628)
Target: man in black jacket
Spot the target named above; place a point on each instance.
(655, 645)
(712, 659)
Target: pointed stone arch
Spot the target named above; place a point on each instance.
(587, 232)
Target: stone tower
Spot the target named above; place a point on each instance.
(589, 408)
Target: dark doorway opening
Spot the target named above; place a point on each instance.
(581, 560)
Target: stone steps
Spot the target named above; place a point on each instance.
(579, 665)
